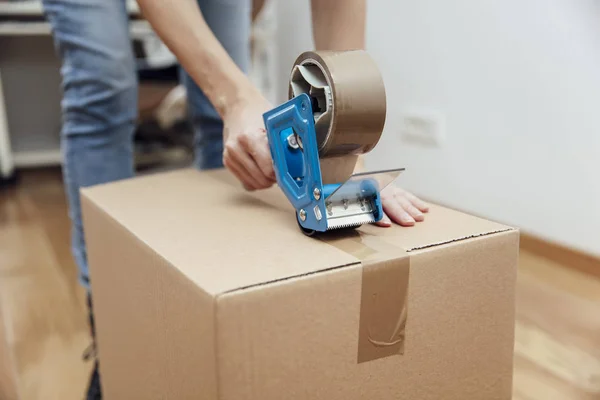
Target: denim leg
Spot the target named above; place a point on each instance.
(99, 105)
(230, 22)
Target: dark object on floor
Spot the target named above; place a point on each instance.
(167, 74)
(155, 147)
(94, 391)
(10, 180)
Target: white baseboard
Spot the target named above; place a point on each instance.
(40, 158)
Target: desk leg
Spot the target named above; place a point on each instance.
(7, 167)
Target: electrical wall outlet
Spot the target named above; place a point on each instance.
(425, 128)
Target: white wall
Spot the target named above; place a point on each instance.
(31, 81)
(519, 85)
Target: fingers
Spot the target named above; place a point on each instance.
(418, 203)
(240, 173)
(384, 222)
(401, 207)
(240, 161)
(408, 206)
(396, 212)
(258, 148)
(249, 164)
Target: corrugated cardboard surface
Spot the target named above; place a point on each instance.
(205, 291)
(155, 327)
(205, 228)
(298, 340)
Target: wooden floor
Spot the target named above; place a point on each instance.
(42, 303)
(557, 345)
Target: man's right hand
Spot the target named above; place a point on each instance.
(182, 27)
(246, 148)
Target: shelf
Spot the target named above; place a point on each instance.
(139, 29)
(40, 158)
(32, 8)
(24, 28)
(29, 8)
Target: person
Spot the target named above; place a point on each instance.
(210, 39)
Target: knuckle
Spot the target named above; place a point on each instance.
(244, 138)
(229, 147)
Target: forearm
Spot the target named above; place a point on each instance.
(339, 24)
(183, 29)
(257, 6)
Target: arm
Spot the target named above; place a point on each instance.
(183, 29)
(339, 24)
(257, 6)
(240, 104)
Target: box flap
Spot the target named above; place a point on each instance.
(185, 216)
(442, 226)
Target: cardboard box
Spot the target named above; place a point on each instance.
(205, 291)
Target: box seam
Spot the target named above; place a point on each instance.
(287, 278)
(408, 251)
(459, 239)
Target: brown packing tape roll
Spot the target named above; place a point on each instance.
(352, 121)
(349, 106)
(337, 169)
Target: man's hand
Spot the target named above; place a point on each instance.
(246, 148)
(183, 29)
(401, 207)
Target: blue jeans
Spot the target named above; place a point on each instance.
(100, 90)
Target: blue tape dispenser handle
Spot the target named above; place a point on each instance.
(294, 149)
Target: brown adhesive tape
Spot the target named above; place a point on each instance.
(384, 285)
(349, 106)
(384, 293)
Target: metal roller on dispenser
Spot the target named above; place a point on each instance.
(336, 111)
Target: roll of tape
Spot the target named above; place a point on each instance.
(349, 100)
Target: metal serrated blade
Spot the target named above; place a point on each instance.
(350, 221)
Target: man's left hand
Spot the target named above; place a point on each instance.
(401, 207)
